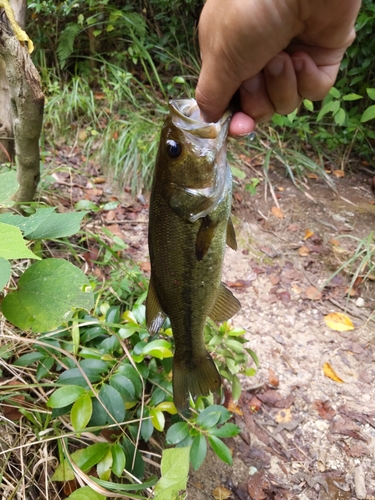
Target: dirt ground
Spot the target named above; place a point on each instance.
(304, 435)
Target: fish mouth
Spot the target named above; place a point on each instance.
(186, 115)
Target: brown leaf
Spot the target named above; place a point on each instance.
(255, 404)
(98, 180)
(221, 493)
(303, 251)
(310, 175)
(274, 398)
(338, 173)
(234, 408)
(273, 378)
(347, 428)
(324, 409)
(111, 215)
(116, 230)
(308, 234)
(330, 373)
(274, 279)
(277, 212)
(313, 294)
(284, 416)
(258, 485)
(145, 266)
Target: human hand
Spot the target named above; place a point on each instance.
(276, 52)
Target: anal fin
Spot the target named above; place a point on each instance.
(226, 305)
(155, 315)
(231, 235)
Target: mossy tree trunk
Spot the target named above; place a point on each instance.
(26, 103)
(6, 119)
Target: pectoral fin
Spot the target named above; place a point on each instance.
(226, 305)
(231, 235)
(155, 315)
(204, 237)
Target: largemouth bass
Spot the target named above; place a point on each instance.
(189, 225)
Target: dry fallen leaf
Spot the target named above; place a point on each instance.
(308, 234)
(324, 409)
(234, 408)
(221, 493)
(338, 173)
(303, 251)
(273, 378)
(339, 322)
(254, 404)
(330, 373)
(277, 212)
(283, 416)
(312, 176)
(312, 293)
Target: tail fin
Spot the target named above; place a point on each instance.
(198, 379)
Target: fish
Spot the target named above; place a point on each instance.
(189, 226)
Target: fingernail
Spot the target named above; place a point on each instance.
(297, 63)
(276, 66)
(252, 85)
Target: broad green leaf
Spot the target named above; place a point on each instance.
(124, 386)
(86, 493)
(81, 411)
(48, 294)
(335, 93)
(236, 388)
(221, 450)
(371, 93)
(118, 460)
(330, 107)
(29, 358)
(235, 345)
(159, 349)
(5, 272)
(368, 114)
(64, 396)
(157, 419)
(198, 451)
(8, 187)
(146, 427)
(253, 355)
(87, 205)
(73, 376)
(174, 473)
(351, 97)
(236, 172)
(99, 415)
(225, 431)
(167, 406)
(57, 226)
(114, 403)
(104, 466)
(131, 373)
(27, 224)
(212, 415)
(12, 244)
(308, 105)
(139, 466)
(90, 456)
(177, 432)
(340, 117)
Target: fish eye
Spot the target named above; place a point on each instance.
(174, 149)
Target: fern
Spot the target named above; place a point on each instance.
(66, 42)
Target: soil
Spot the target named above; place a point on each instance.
(304, 435)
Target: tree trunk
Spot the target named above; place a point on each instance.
(26, 102)
(6, 120)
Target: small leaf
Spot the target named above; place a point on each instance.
(338, 173)
(114, 403)
(236, 172)
(313, 294)
(167, 406)
(8, 187)
(86, 493)
(63, 472)
(157, 419)
(5, 272)
(225, 431)
(338, 322)
(351, 97)
(177, 432)
(371, 93)
(368, 114)
(221, 493)
(308, 234)
(308, 105)
(221, 450)
(277, 212)
(198, 451)
(104, 466)
(118, 460)
(12, 244)
(335, 93)
(330, 373)
(66, 395)
(303, 251)
(214, 414)
(159, 349)
(174, 473)
(81, 412)
(90, 456)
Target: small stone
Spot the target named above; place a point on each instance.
(360, 302)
